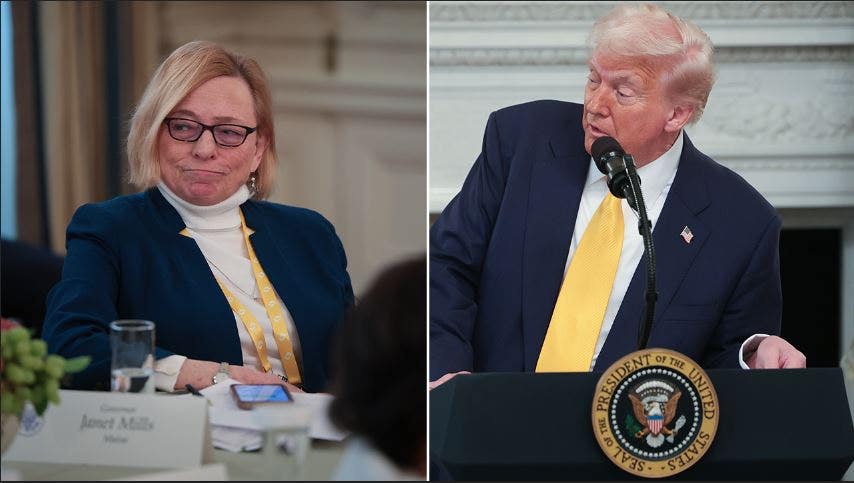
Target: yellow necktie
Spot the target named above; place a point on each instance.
(580, 308)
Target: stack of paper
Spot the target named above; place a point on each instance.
(235, 429)
(236, 439)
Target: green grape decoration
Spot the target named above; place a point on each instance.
(29, 373)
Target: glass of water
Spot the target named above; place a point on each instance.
(132, 343)
(286, 440)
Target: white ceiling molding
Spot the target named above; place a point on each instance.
(590, 11)
(534, 56)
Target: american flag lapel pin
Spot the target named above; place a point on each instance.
(686, 234)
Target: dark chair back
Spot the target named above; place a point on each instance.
(27, 273)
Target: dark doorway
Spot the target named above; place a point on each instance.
(810, 264)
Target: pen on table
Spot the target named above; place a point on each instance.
(193, 390)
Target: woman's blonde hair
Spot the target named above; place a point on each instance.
(680, 49)
(188, 67)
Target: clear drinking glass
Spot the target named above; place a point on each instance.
(132, 343)
(286, 441)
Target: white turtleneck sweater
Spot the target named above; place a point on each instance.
(216, 230)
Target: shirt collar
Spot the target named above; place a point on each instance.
(654, 175)
(220, 216)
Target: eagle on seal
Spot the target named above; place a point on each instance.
(654, 405)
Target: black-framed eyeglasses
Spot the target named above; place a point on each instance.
(188, 130)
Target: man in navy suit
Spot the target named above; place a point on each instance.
(502, 247)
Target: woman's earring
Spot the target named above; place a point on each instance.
(252, 186)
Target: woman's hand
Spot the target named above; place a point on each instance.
(250, 375)
(200, 374)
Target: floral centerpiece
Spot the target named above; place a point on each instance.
(28, 374)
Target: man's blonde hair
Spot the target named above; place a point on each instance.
(188, 67)
(680, 49)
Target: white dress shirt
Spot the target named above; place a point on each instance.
(216, 230)
(656, 179)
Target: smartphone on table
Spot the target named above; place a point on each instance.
(248, 396)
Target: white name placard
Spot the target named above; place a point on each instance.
(115, 429)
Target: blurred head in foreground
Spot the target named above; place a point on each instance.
(380, 367)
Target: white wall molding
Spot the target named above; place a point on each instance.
(555, 33)
(508, 56)
(571, 11)
(323, 96)
(540, 56)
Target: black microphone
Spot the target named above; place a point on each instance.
(624, 182)
(610, 158)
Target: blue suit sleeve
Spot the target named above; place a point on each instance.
(459, 241)
(81, 306)
(347, 289)
(755, 305)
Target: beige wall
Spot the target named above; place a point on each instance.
(348, 83)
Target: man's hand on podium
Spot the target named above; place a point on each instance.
(775, 353)
(444, 379)
(772, 353)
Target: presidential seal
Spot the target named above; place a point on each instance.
(655, 413)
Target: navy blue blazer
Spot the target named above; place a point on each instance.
(127, 260)
(498, 251)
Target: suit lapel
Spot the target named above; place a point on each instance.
(189, 260)
(688, 196)
(188, 256)
(555, 193)
(283, 274)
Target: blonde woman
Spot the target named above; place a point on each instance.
(237, 287)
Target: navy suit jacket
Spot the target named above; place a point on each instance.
(498, 252)
(127, 260)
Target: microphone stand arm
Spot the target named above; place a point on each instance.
(635, 198)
